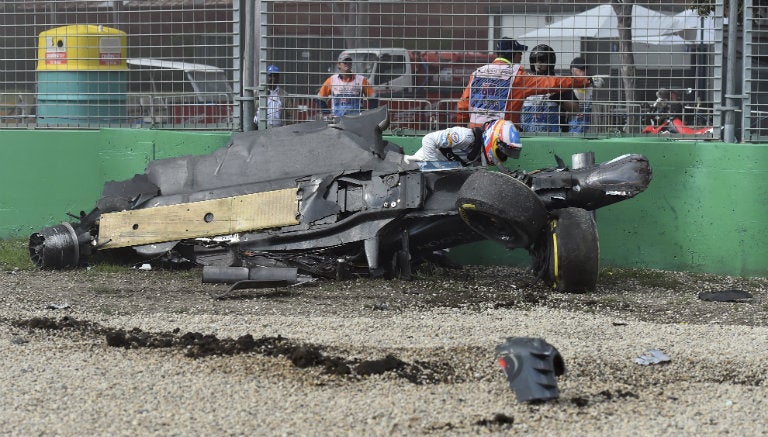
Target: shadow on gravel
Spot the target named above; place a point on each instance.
(197, 345)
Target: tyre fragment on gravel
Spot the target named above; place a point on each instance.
(531, 365)
(726, 296)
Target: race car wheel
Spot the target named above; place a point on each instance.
(568, 254)
(501, 208)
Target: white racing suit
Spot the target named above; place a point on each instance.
(452, 144)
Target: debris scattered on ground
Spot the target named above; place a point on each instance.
(57, 306)
(652, 356)
(531, 365)
(727, 296)
(497, 420)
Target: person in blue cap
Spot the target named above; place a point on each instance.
(510, 49)
(278, 106)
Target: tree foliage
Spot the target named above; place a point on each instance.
(706, 7)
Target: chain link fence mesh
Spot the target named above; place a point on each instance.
(182, 64)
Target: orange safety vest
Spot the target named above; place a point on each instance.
(522, 85)
(346, 96)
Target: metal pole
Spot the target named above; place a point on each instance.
(732, 101)
(747, 131)
(248, 61)
(260, 38)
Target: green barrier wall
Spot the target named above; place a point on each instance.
(705, 209)
(48, 173)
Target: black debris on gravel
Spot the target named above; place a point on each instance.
(377, 367)
(497, 420)
(726, 296)
(53, 325)
(198, 345)
(620, 394)
(579, 401)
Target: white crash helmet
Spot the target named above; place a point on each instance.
(501, 141)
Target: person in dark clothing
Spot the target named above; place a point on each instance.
(579, 120)
(543, 59)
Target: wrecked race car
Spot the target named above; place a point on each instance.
(334, 200)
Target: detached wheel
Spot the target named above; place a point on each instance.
(501, 208)
(568, 255)
(55, 247)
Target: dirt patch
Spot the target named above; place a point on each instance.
(197, 345)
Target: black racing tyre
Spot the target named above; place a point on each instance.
(501, 208)
(568, 255)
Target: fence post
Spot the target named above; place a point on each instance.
(732, 101)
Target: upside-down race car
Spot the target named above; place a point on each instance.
(335, 199)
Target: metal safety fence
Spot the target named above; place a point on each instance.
(667, 68)
(656, 61)
(90, 64)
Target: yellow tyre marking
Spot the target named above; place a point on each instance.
(463, 207)
(556, 266)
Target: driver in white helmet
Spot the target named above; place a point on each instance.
(497, 139)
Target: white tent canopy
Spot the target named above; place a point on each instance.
(648, 26)
(652, 35)
(693, 28)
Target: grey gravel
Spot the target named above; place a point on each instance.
(69, 382)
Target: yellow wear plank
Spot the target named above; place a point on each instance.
(207, 218)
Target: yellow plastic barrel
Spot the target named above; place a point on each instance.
(82, 76)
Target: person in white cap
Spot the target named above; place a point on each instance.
(346, 90)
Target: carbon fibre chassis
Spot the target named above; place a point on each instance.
(361, 210)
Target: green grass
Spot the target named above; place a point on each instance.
(107, 268)
(15, 255)
(103, 289)
(651, 278)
